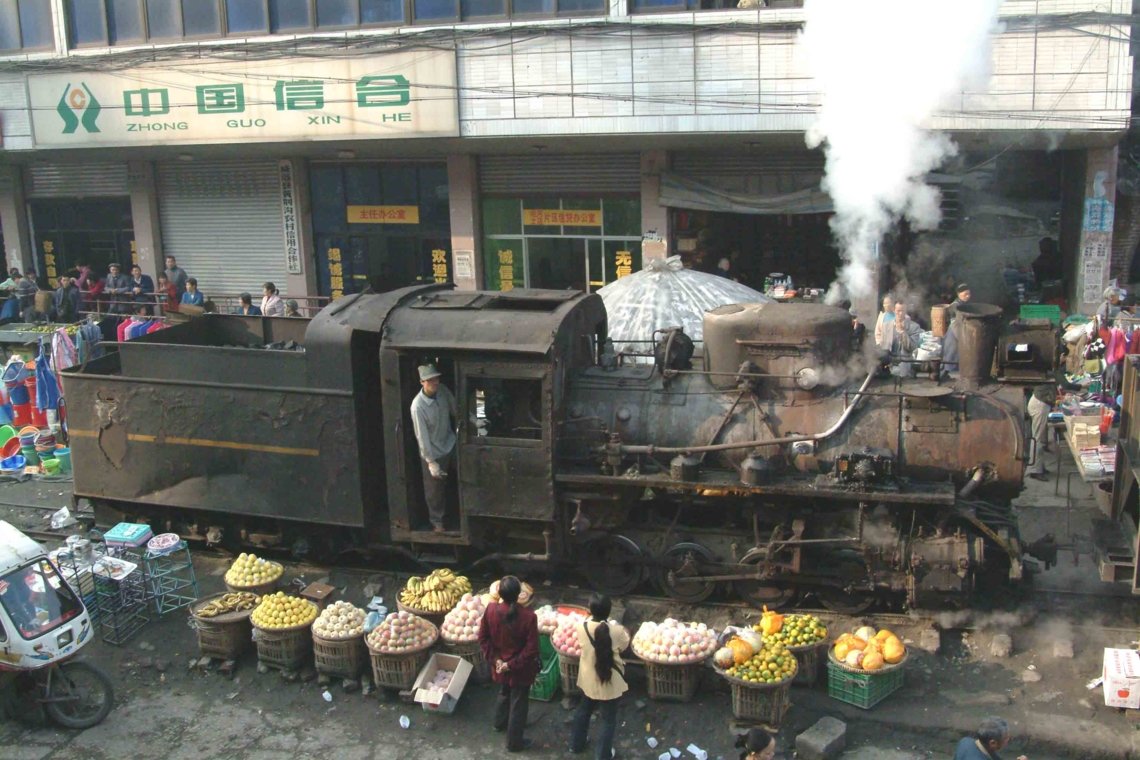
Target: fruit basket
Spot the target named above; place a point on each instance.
(568, 670)
(226, 633)
(765, 703)
(672, 683)
(251, 573)
(433, 596)
(399, 647)
(804, 635)
(673, 653)
(346, 658)
(282, 630)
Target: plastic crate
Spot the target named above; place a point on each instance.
(672, 683)
(545, 686)
(345, 658)
(762, 704)
(1048, 311)
(398, 671)
(862, 689)
(545, 647)
(568, 669)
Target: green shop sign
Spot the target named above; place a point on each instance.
(394, 95)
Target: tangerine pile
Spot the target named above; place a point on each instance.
(251, 570)
(798, 630)
(772, 664)
(278, 611)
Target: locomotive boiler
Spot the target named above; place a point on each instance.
(783, 461)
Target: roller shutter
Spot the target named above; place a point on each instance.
(223, 222)
(528, 175)
(75, 180)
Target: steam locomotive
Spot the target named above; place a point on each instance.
(780, 464)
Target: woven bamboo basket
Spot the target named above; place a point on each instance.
(397, 671)
(284, 648)
(809, 661)
(671, 682)
(223, 636)
(346, 658)
(473, 653)
(568, 669)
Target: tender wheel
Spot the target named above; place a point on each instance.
(79, 695)
(615, 564)
(762, 593)
(838, 599)
(679, 563)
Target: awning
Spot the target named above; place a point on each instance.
(680, 191)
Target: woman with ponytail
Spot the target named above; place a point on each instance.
(508, 636)
(601, 677)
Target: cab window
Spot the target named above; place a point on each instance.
(508, 408)
(37, 600)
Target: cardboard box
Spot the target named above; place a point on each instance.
(1122, 678)
(433, 700)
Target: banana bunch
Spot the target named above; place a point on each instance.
(438, 592)
(236, 601)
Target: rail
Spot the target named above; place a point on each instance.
(101, 304)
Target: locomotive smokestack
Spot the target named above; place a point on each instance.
(977, 340)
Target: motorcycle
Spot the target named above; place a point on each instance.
(43, 625)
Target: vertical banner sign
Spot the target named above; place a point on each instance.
(623, 264)
(289, 218)
(49, 261)
(439, 265)
(336, 274)
(506, 270)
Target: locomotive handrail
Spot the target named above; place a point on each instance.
(650, 449)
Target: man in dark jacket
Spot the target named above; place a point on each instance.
(992, 737)
(118, 290)
(66, 301)
(142, 286)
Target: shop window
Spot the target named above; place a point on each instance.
(337, 13)
(25, 24)
(505, 408)
(503, 263)
(201, 19)
(502, 216)
(476, 8)
(88, 22)
(246, 16)
(435, 10)
(381, 11)
(289, 14)
(622, 216)
(124, 21)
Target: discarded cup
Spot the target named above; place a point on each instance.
(664, 756)
(674, 752)
(326, 695)
(405, 722)
(697, 752)
(652, 742)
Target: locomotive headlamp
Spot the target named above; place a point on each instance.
(807, 378)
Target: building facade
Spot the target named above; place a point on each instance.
(331, 145)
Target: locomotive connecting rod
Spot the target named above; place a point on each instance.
(650, 449)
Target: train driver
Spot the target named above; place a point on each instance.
(434, 416)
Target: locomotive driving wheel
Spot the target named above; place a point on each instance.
(760, 593)
(678, 565)
(614, 564)
(843, 597)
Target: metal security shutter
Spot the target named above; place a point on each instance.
(75, 180)
(516, 175)
(223, 222)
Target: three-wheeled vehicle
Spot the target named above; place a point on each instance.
(43, 624)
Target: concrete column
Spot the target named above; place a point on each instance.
(303, 285)
(654, 216)
(18, 250)
(1097, 214)
(463, 197)
(144, 219)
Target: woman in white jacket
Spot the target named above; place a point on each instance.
(601, 677)
(271, 303)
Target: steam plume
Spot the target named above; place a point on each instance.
(883, 70)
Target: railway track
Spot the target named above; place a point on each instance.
(1046, 600)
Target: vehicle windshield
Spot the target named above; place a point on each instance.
(37, 600)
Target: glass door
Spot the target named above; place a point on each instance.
(556, 263)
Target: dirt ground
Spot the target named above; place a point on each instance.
(166, 709)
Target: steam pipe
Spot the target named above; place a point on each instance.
(641, 449)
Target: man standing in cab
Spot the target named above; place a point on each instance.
(434, 415)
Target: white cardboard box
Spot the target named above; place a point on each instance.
(1122, 678)
(434, 700)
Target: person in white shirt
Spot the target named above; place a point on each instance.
(271, 303)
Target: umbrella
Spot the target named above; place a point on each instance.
(665, 294)
(47, 389)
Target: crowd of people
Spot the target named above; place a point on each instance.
(81, 290)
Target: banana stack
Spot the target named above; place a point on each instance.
(438, 592)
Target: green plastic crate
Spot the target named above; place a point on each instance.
(1049, 311)
(545, 647)
(546, 685)
(862, 690)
